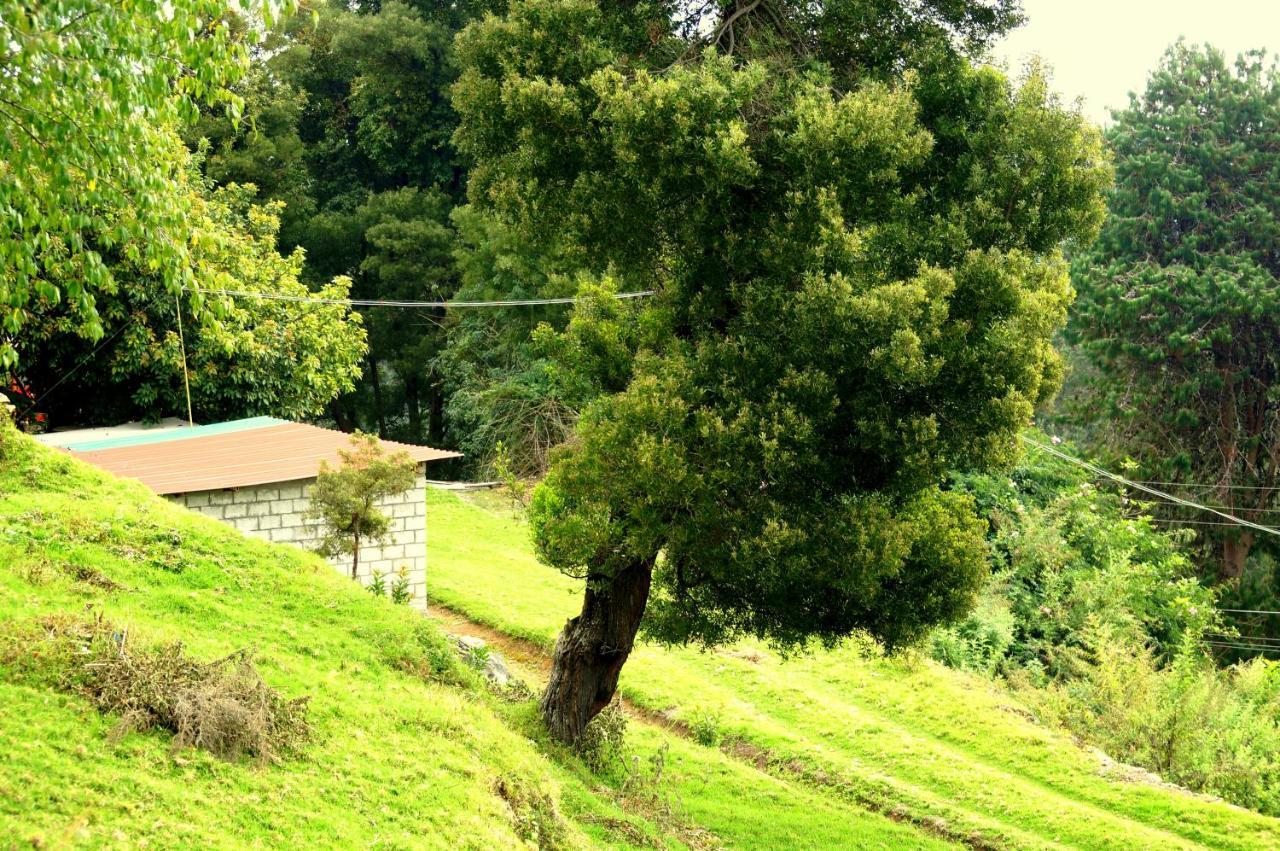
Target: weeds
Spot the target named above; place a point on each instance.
(401, 593)
(534, 814)
(223, 706)
(705, 728)
(603, 742)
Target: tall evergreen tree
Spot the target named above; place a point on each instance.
(351, 127)
(1179, 307)
(855, 239)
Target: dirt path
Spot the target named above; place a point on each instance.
(533, 658)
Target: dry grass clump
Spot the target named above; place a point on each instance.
(221, 706)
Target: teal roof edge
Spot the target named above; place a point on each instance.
(175, 434)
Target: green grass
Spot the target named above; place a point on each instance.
(408, 751)
(901, 733)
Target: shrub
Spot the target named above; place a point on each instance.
(1209, 729)
(603, 742)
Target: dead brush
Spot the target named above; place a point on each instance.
(222, 706)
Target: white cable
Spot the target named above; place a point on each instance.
(1213, 487)
(357, 302)
(1145, 489)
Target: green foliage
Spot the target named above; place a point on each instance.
(349, 123)
(1179, 296)
(245, 356)
(345, 500)
(401, 593)
(858, 286)
(377, 584)
(1069, 558)
(1209, 729)
(1095, 617)
(91, 96)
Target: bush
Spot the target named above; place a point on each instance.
(981, 642)
(1065, 554)
(1209, 729)
(603, 743)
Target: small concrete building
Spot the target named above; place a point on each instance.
(256, 474)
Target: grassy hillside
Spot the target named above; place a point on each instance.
(735, 749)
(408, 749)
(905, 735)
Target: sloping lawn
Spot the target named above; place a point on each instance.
(898, 733)
(408, 749)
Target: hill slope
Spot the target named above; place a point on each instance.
(408, 749)
(905, 736)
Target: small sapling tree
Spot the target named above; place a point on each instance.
(345, 499)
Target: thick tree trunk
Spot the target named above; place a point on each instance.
(592, 649)
(1235, 553)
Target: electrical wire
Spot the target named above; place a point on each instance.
(1197, 486)
(1231, 646)
(357, 302)
(1096, 470)
(75, 368)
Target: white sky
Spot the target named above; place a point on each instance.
(1101, 50)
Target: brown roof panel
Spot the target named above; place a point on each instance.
(280, 452)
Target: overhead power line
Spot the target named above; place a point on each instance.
(446, 305)
(1197, 486)
(1099, 471)
(1233, 646)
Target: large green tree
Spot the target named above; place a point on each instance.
(243, 355)
(855, 239)
(1179, 307)
(90, 95)
(349, 123)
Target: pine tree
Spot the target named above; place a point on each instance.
(1179, 303)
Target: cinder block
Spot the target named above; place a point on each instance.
(234, 511)
(195, 500)
(258, 509)
(269, 521)
(293, 491)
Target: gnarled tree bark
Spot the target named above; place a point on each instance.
(592, 649)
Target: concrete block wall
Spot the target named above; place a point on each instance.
(277, 512)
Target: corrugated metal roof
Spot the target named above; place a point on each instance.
(237, 454)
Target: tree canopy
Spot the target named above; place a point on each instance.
(91, 95)
(1179, 306)
(349, 123)
(859, 278)
(244, 355)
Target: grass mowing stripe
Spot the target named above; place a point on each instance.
(482, 564)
